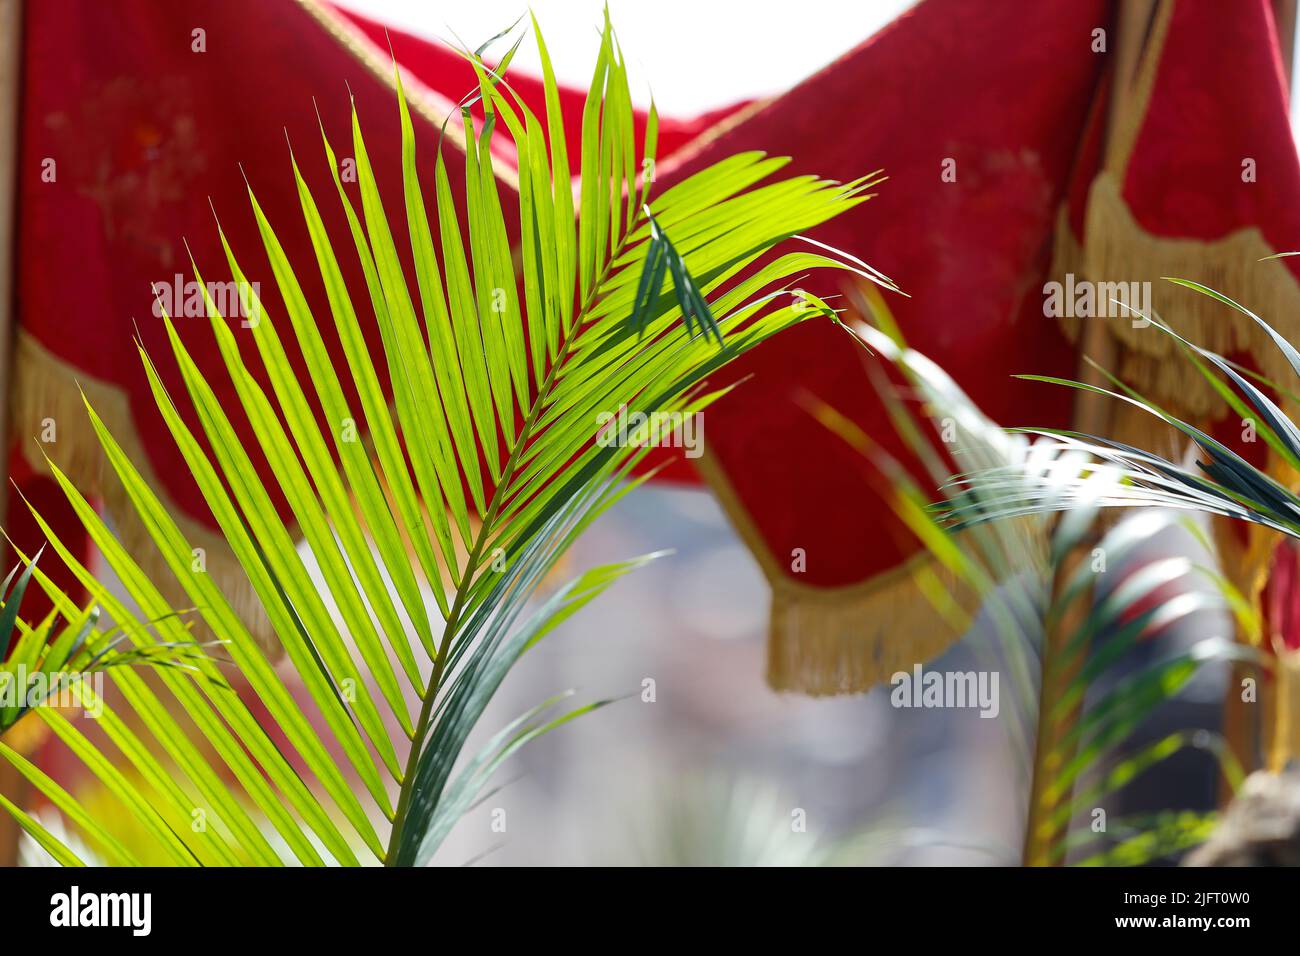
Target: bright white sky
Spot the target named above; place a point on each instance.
(695, 54)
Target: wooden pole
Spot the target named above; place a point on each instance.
(1280, 717)
(1044, 832)
(1245, 732)
(11, 784)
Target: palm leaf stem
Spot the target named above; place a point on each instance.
(499, 495)
(1055, 745)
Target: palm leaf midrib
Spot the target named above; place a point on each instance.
(500, 494)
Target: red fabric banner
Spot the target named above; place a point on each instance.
(136, 115)
(1198, 179)
(1009, 165)
(135, 112)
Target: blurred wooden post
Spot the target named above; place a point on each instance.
(10, 72)
(1242, 722)
(1092, 416)
(1042, 832)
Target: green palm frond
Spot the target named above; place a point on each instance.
(39, 664)
(1022, 572)
(1067, 469)
(486, 468)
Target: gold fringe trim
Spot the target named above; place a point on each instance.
(1067, 257)
(48, 390)
(846, 640)
(829, 641)
(1117, 249)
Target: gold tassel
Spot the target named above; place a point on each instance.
(1117, 248)
(846, 640)
(825, 641)
(46, 390)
